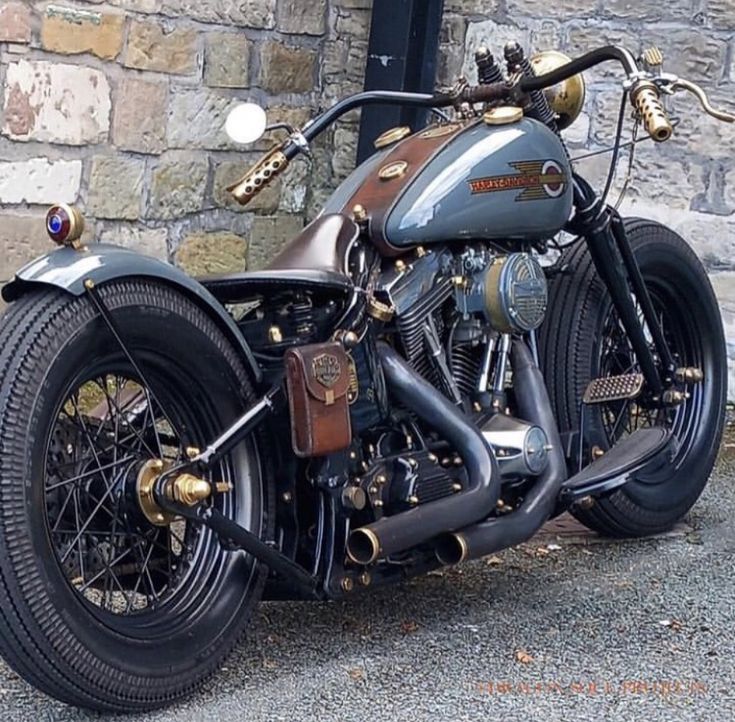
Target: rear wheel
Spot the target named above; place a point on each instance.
(583, 339)
(105, 604)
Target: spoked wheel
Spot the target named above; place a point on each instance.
(584, 339)
(108, 602)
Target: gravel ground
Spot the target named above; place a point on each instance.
(634, 630)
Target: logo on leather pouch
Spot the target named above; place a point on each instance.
(537, 180)
(327, 369)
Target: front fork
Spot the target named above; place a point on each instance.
(604, 231)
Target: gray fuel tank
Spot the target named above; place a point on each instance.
(490, 183)
(486, 182)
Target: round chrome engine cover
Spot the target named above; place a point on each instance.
(516, 293)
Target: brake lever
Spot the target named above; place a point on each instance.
(670, 84)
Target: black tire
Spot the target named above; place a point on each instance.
(100, 643)
(574, 351)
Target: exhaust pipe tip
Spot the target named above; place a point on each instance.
(363, 546)
(452, 549)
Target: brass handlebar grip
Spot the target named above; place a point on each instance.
(259, 176)
(646, 99)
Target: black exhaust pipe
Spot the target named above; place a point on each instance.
(498, 533)
(408, 529)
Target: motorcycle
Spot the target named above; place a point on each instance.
(467, 342)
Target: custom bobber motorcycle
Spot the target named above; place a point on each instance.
(415, 381)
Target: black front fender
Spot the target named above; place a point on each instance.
(69, 269)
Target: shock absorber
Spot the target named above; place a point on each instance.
(488, 71)
(518, 62)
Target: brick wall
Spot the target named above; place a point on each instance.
(119, 106)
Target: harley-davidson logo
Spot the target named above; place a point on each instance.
(537, 179)
(327, 369)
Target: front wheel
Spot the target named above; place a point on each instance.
(105, 603)
(583, 339)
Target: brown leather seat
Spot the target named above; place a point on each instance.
(317, 257)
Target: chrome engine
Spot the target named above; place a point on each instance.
(452, 314)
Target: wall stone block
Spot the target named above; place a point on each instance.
(15, 22)
(148, 241)
(151, 47)
(178, 185)
(40, 180)
(259, 14)
(209, 254)
(22, 238)
(287, 69)
(56, 103)
(270, 234)
(297, 17)
(116, 187)
(139, 123)
(196, 119)
(227, 60)
(69, 31)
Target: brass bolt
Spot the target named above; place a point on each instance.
(586, 502)
(223, 487)
(353, 497)
(347, 585)
(275, 335)
(597, 453)
(89, 284)
(192, 452)
(433, 458)
(420, 251)
(400, 266)
(353, 455)
(456, 487)
(350, 339)
(413, 500)
(378, 504)
(373, 489)
(359, 213)
(190, 490)
(457, 461)
(477, 408)
(413, 463)
(366, 579)
(287, 497)
(446, 461)
(381, 479)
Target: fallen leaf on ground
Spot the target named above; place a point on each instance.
(523, 657)
(674, 624)
(542, 552)
(494, 561)
(408, 626)
(553, 547)
(357, 674)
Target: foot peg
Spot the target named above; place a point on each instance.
(614, 388)
(643, 450)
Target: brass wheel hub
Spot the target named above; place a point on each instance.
(185, 489)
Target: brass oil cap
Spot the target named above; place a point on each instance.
(392, 136)
(504, 115)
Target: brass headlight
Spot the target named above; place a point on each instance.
(567, 98)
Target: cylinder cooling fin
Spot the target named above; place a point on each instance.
(516, 293)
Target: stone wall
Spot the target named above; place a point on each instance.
(119, 106)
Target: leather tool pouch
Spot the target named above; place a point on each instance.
(318, 379)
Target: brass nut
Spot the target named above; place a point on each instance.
(380, 311)
(359, 214)
(354, 497)
(366, 579)
(347, 585)
(189, 490)
(275, 335)
(192, 452)
(223, 487)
